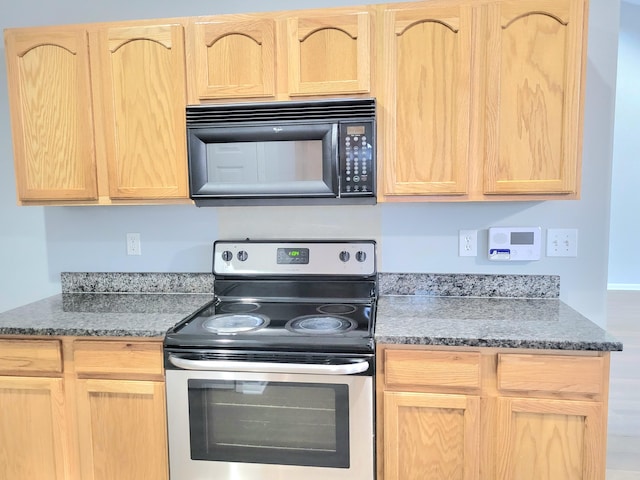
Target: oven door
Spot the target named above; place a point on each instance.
(229, 421)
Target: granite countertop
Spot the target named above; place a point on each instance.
(112, 304)
(102, 314)
(537, 323)
(506, 311)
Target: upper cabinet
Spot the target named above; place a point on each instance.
(233, 58)
(276, 56)
(329, 53)
(98, 113)
(481, 102)
(51, 114)
(425, 99)
(476, 101)
(534, 60)
(141, 87)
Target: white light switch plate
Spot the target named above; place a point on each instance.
(562, 242)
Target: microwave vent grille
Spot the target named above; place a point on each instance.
(310, 111)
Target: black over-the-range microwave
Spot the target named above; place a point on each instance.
(283, 153)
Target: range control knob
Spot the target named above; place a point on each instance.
(227, 255)
(242, 255)
(361, 256)
(344, 256)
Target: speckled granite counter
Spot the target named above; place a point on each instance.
(112, 304)
(502, 311)
(488, 322)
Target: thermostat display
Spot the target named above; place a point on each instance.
(514, 243)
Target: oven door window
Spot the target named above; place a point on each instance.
(269, 422)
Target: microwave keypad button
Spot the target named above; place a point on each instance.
(243, 255)
(356, 179)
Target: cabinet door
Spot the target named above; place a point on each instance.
(434, 436)
(234, 59)
(425, 100)
(143, 92)
(329, 54)
(32, 442)
(534, 88)
(122, 429)
(51, 114)
(542, 439)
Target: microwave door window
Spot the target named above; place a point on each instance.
(284, 168)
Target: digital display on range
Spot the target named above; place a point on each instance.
(288, 256)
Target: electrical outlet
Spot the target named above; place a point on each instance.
(133, 244)
(468, 243)
(562, 242)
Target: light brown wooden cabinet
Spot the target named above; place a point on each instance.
(98, 113)
(82, 408)
(279, 56)
(484, 414)
(481, 101)
(51, 113)
(33, 419)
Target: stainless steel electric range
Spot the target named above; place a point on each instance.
(274, 378)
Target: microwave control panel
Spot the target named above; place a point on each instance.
(357, 158)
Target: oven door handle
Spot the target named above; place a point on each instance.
(266, 367)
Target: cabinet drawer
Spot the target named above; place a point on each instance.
(18, 356)
(551, 373)
(444, 369)
(118, 357)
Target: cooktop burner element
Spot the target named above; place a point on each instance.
(234, 323)
(336, 309)
(288, 296)
(320, 324)
(240, 307)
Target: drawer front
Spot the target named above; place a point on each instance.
(551, 373)
(118, 357)
(430, 368)
(24, 356)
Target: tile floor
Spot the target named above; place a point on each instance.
(623, 443)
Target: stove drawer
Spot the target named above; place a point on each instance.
(121, 359)
(21, 357)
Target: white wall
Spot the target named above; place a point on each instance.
(412, 237)
(624, 254)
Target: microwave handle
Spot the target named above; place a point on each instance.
(266, 367)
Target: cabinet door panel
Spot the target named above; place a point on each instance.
(550, 439)
(32, 429)
(329, 54)
(430, 436)
(144, 98)
(534, 60)
(234, 59)
(122, 429)
(426, 100)
(51, 113)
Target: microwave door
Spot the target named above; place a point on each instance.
(256, 162)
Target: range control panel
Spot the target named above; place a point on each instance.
(357, 158)
(294, 258)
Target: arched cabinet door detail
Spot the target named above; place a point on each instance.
(50, 93)
(143, 94)
(533, 115)
(426, 94)
(329, 54)
(234, 59)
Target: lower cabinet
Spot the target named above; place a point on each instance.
(491, 414)
(82, 409)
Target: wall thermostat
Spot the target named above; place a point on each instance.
(514, 243)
